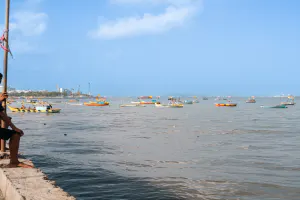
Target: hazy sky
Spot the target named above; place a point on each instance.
(156, 47)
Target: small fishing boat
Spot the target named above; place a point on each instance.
(100, 101)
(176, 105)
(41, 109)
(171, 98)
(204, 98)
(290, 101)
(218, 98)
(251, 100)
(169, 105)
(196, 101)
(145, 102)
(225, 104)
(131, 105)
(148, 102)
(188, 102)
(97, 103)
(145, 97)
(277, 106)
(32, 101)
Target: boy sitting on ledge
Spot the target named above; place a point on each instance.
(14, 135)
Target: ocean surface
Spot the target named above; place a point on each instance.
(196, 152)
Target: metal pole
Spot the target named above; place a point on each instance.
(3, 125)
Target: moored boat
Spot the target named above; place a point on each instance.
(251, 100)
(225, 104)
(132, 105)
(41, 109)
(145, 102)
(289, 102)
(188, 102)
(97, 103)
(176, 105)
(277, 106)
(169, 105)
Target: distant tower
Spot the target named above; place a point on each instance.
(57, 88)
(89, 89)
(78, 92)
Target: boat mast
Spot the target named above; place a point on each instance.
(89, 89)
(3, 125)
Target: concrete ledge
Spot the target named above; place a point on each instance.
(28, 184)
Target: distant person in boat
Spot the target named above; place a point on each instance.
(13, 135)
(23, 107)
(49, 107)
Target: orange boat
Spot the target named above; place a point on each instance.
(97, 103)
(73, 100)
(147, 102)
(226, 104)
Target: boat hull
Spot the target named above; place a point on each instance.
(225, 104)
(278, 106)
(131, 105)
(169, 106)
(288, 103)
(176, 106)
(96, 104)
(55, 110)
(75, 104)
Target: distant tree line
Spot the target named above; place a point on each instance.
(38, 94)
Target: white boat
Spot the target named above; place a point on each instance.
(132, 105)
(170, 105)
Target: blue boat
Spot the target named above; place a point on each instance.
(277, 106)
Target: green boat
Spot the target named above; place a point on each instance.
(277, 106)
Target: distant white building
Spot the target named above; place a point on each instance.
(61, 90)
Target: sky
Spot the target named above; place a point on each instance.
(156, 47)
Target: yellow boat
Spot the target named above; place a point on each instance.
(38, 109)
(176, 105)
(98, 103)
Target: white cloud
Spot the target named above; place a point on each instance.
(175, 15)
(25, 26)
(28, 23)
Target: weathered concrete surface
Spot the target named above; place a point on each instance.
(28, 184)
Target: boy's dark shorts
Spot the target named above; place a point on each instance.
(6, 134)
